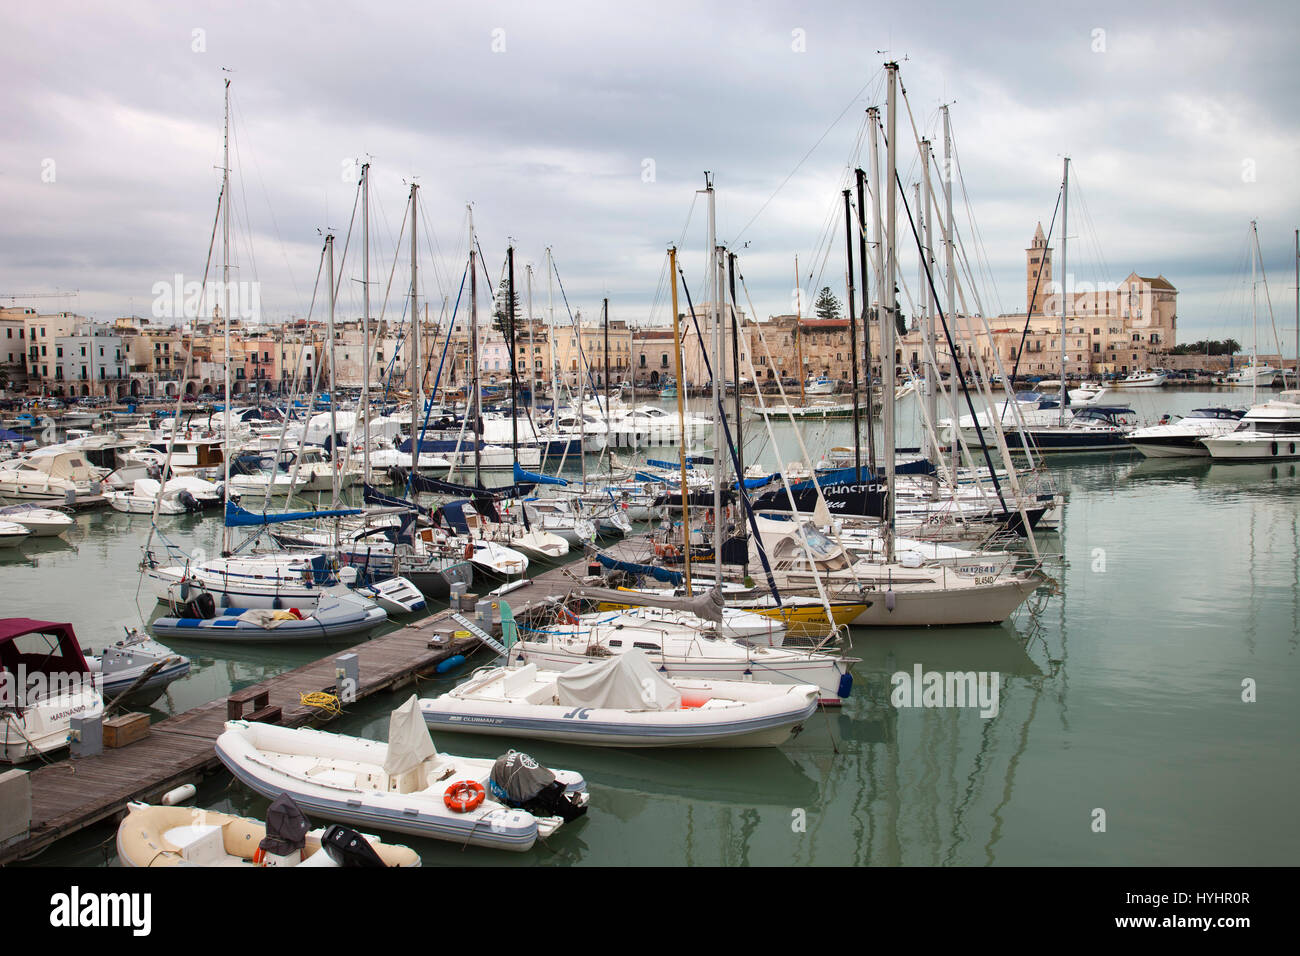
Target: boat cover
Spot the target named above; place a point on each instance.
(626, 681)
(516, 777)
(707, 604)
(409, 743)
(286, 827)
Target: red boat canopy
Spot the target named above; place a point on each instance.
(68, 659)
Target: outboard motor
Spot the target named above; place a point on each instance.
(347, 847)
(519, 781)
(201, 605)
(189, 501)
(286, 834)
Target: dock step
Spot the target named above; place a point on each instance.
(478, 632)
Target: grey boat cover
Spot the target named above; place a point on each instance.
(286, 827)
(707, 605)
(409, 743)
(519, 777)
(626, 681)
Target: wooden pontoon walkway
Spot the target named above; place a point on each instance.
(74, 793)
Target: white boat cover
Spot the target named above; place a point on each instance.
(626, 681)
(409, 743)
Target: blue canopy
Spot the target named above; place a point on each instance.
(522, 477)
(659, 574)
(237, 517)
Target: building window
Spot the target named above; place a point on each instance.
(663, 360)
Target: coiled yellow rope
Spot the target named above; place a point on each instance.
(322, 701)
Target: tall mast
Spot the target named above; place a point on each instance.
(514, 369)
(365, 323)
(681, 420)
(416, 403)
(735, 362)
(712, 261)
(1255, 319)
(605, 360)
(334, 423)
(225, 307)
(1297, 311)
(1065, 276)
(886, 395)
(931, 344)
(888, 318)
(555, 357)
(866, 314)
(951, 289)
(472, 401)
(853, 335)
(798, 331)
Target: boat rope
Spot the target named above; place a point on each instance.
(322, 701)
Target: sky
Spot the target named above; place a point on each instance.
(588, 127)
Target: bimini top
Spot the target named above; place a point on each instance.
(68, 658)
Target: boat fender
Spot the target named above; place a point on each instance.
(846, 686)
(451, 663)
(179, 795)
(889, 600)
(464, 796)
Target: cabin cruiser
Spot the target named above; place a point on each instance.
(1268, 432)
(65, 478)
(1143, 379)
(44, 683)
(1183, 437)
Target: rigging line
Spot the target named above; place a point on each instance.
(248, 220)
(981, 249)
(835, 122)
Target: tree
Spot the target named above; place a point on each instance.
(500, 322)
(827, 306)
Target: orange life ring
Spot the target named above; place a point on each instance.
(464, 795)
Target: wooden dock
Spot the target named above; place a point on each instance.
(76, 793)
(72, 794)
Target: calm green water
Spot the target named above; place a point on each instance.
(1120, 690)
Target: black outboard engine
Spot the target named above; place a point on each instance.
(286, 833)
(189, 501)
(203, 606)
(520, 781)
(347, 847)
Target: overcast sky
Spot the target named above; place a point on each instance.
(587, 127)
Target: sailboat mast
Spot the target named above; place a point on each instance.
(853, 335)
(866, 315)
(1065, 276)
(712, 261)
(365, 323)
(416, 403)
(514, 369)
(951, 286)
(929, 307)
(681, 419)
(888, 321)
(334, 422)
(1254, 316)
(225, 308)
(798, 332)
(605, 360)
(472, 399)
(532, 377)
(555, 359)
(886, 395)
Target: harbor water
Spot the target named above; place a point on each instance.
(1145, 701)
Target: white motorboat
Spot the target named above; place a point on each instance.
(683, 651)
(404, 785)
(62, 478)
(156, 836)
(44, 683)
(41, 522)
(182, 495)
(12, 534)
(1143, 379)
(623, 701)
(1268, 432)
(1183, 438)
(138, 667)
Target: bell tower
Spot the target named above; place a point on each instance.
(1038, 258)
